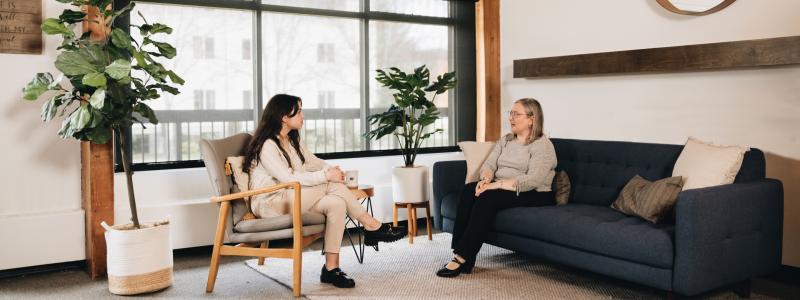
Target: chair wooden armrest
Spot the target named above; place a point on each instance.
(241, 195)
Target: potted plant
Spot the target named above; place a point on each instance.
(407, 119)
(104, 94)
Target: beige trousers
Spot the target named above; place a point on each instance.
(335, 201)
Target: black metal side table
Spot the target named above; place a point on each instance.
(365, 193)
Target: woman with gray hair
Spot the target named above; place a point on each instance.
(518, 173)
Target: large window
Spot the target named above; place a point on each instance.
(236, 54)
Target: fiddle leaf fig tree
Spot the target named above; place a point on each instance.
(109, 80)
(412, 112)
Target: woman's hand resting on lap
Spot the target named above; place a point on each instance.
(334, 174)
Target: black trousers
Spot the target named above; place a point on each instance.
(476, 215)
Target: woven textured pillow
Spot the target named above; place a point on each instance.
(704, 164)
(648, 200)
(561, 187)
(475, 153)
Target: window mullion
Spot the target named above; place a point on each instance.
(257, 79)
(364, 59)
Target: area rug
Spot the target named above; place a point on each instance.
(403, 271)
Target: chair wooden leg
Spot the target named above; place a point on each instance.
(218, 237)
(410, 225)
(394, 214)
(297, 269)
(428, 218)
(261, 259)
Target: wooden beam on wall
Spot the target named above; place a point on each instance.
(737, 54)
(487, 31)
(97, 178)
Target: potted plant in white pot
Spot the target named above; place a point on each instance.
(408, 120)
(102, 97)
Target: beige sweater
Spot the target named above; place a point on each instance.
(274, 169)
(532, 165)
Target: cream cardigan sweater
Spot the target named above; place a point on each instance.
(273, 169)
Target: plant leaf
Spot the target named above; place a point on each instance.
(100, 135)
(71, 16)
(175, 78)
(54, 26)
(154, 29)
(120, 38)
(80, 117)
(50, 107)
(119, 69)
(145, 111)
(98, 99)
(95, 79)
(37, 86)
(165, 49)
(73, 63)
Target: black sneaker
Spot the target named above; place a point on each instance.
(337, 278)
(385, 233)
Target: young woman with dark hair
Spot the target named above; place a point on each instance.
(276, 155)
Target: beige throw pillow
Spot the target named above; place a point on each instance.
(704, 164)
(646, 199)
(475, 153)
(242, 181)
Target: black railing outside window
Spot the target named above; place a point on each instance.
(236, 54)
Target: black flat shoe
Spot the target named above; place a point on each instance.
(337, 278)
(385, 233)
(465, 268)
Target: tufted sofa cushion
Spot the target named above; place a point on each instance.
(599, 169)
(592, 228)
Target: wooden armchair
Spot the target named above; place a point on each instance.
(247, 231)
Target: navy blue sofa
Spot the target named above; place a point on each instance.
(716, 236)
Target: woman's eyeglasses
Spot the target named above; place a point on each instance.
(515, 115)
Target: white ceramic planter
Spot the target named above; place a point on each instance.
(139, 260)
(410, 184)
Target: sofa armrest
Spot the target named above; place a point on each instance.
(727, 234)
(448, 177)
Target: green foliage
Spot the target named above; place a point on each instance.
(412, 112)
(103, 93)
(103, 96)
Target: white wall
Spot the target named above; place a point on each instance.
(756, 107)
(41, 220)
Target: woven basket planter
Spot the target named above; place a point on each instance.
(139, 260)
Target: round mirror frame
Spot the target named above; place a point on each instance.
(666, 4)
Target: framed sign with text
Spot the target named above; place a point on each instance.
(20, 26)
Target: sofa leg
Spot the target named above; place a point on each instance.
(742, 289)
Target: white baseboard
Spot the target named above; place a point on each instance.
(40, 239)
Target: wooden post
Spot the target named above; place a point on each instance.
(487, 31)
(97, 190)
(97, 178)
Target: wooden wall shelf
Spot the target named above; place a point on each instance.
(738, 54)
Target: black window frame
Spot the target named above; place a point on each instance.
(462, 106)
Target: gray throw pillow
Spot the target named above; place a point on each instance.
(648, 200)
